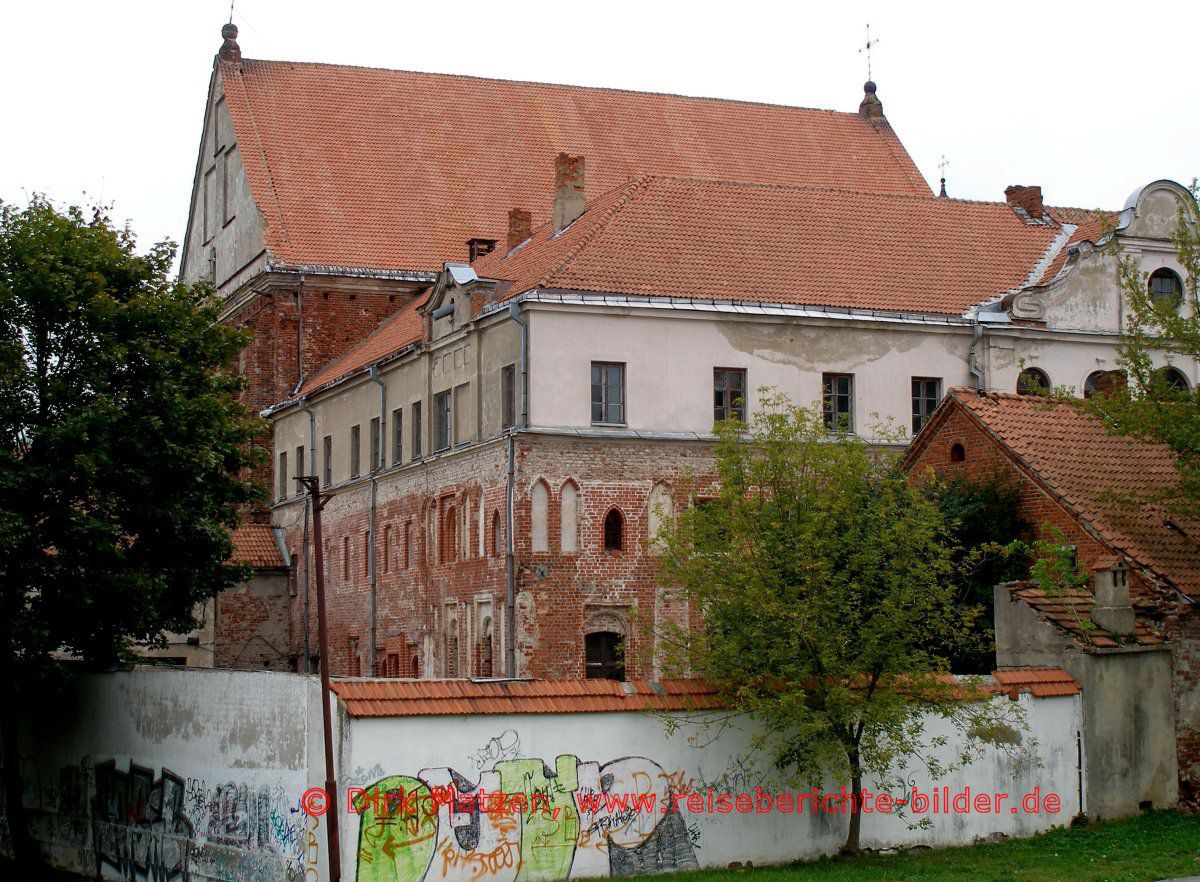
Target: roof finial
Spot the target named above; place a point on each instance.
(230, 50)
(942, 163)
(871, 108)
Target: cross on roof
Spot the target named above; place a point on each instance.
(867, 49)
(942, 163)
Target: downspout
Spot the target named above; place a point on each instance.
(299, 335)
(510, 632)
(973, 355)
(312, 460)
(375, 467)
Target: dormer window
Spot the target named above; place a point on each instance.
(1166, 289)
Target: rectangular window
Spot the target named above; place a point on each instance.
(461, 420)
(355, 451)
(387, 548)
(282, 477)
(327, 455)
(376, 445)
(299, 464)
(508, 396)
(729, 394)
(608, 393)
(397, 435)
(926, 393)
(441, 421)
(838, 398)
(416, 429)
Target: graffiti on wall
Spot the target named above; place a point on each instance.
(139, 824)
(555, 833)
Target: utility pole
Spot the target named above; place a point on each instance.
(313, 485)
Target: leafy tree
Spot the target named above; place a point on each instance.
(124, 453)
(982, 517)
(825, 583)
(1148, 407)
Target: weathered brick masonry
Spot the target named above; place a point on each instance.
(436, 595)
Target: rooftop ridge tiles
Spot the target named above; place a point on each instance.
(238, 67)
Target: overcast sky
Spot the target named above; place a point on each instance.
(1088, 100)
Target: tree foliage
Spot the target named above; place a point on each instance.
(1148, 407)
(826, 586)
(124, 444)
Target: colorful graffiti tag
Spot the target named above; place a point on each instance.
(554, 835)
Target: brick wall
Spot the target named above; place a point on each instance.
(252, 624)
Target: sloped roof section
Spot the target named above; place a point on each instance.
(362, 167)
(1071, 613)
(1098, 475)
(1039, 682)
(1091, 225)
(255, 544)
(719, 240)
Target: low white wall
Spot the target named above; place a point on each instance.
(167, 775)
(564, 755)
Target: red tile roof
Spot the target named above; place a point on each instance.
(415, 698)
(404, 698)
(1040, 682)
(1090, 226)
(255, 544)
(677, 237)
(396, 170)
(402, 329)
(1071, 612)
(1095, 474)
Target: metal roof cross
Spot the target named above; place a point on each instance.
(867, 48)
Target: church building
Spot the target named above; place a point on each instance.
(499, 319)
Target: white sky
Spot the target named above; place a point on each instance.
(1089, 100)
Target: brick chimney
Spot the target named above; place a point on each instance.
(568, 190)
(520, 227)
(871, 108)
(1112, 610)
(1028, 199)
(230, 50)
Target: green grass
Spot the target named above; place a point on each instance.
(1158, 845)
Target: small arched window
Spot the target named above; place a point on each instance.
(1104, 383)
(497, 535)
(416, 667)
(958, 453)
(604, 656)
(1033, 381)
(452, 649)
(1166, 289)
(1174, 379)
(539, 506)
(569, 518)
(614, 528)
(449, 543)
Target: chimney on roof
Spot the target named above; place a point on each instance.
(1025, 199)
(1112, 610)
(568, 190)
(477, 247)
(871, 108)
(230, 50)
(520, 227)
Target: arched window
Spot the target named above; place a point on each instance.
(486, 666)
(958, 453)
(416, 667)
(452, 649)
(1166, 289)
(614, 528)
(569, 518)
(1033, 381)
(604, 656)
(539, 514)
(449, 543)
(497, 535)
(482, 517)
(1104, 383)
(1174, 379)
